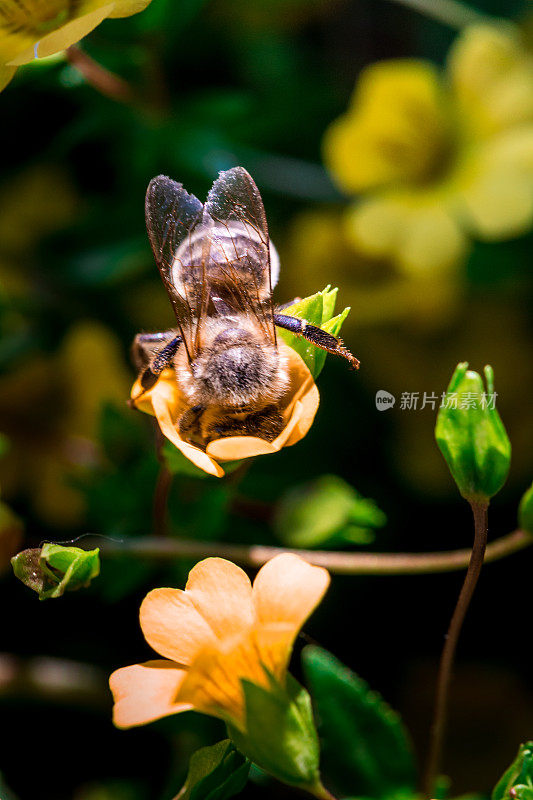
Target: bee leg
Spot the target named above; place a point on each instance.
(318, 337)
(152, 365)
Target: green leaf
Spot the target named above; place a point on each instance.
(317, 310)
(366, 750)
(471, 435)
(516, 782)
(52, 570)
(280, 735)
(215, 773)
(326, 510)
(525, 511)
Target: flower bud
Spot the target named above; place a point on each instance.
(471, 435)
(525, 511)
(52, 570)
(280, 735)
(517, 780)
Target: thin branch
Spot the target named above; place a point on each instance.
(451, 12)
(438, 729)
(101, 79)
(337, 562)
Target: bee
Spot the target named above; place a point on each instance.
(219, 268)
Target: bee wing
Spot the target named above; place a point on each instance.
(172, 219)
(238, 264)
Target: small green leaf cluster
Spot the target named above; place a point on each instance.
(215, 773)
(318, 310)
(516, 782)
(326, 511)
(52, 570)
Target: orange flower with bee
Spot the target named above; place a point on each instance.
(220, 384)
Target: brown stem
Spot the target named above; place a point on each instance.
(99, 77)
(450, 646)
(160, 506)
(336, 562)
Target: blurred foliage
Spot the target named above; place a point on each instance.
(366, 750)
(517, 781)
(324, 512)
(215, 773)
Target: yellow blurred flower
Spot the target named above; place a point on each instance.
(439, 157)
(216, 633)
(40, 28)
(298, 407)
(50, 409)
(377, 290)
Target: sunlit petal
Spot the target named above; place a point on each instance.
(172, 625)
(146, 692)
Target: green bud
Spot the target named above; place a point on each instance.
(52, 570)
(517, 781)
(525, 511)
(280, 735)
(318, 309)
(471, 435)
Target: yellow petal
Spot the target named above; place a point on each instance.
(221, 592)
(374, 226)
(285, 592)
(395, 131)
(492, 76)
(146, 692)
(172, 625)
(126, 8)
(432, 243)
(213, 683)
(64, 36)
(6, 73)
(499, 203)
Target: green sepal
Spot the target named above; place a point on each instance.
(365, 747)
(473, 440)
(280, 734)
(317, 310)
(516, 782)
(52, 570)
(215, 773)
(326, 511)
(525, 511)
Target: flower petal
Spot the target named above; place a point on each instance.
(6, 73)
(221, 593)
(499, 202)
(395, 130)
(126, 8)
(300, 404)
(285, 592)
(172, 625)
(164, 399)
(146, 692)
(374, 226)
(64, 36)
(432, 243)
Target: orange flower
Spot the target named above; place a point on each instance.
(298, 407)
(215, 634)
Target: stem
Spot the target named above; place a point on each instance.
(479, 511)
(336, 562)
(451, 12)
(160, 506)
(104, 81)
